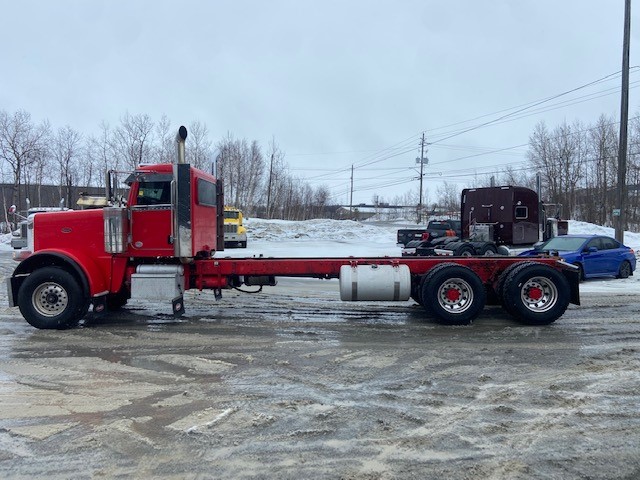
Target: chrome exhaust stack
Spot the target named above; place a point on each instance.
(181, 203)
(181, 136)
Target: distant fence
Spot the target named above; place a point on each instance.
(39, 196)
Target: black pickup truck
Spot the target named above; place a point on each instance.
(435, 229)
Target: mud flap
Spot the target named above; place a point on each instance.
(573, 276)
(99, 304)
(177, 305)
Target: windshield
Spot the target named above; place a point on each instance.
(231, 214)
(563, 243)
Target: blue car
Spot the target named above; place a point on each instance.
(595, 255)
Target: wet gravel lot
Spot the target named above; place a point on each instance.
(292, 383)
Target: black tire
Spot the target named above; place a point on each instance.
(502, 279)
(625, 270)
(243, 244)
(489, 250)
(51, 298)
(464, 251)
(536, 294)
(453, 294)
(416, 288)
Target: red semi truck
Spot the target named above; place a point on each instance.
(165, 239)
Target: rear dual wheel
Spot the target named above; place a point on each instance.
(453, 294)
(418, 283)
(533, 293)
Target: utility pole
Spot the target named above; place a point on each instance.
(269, 185)
(624, 120)
(421, 160)
(351, 197)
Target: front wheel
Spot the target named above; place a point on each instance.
(51, 298)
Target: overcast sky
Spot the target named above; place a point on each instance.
(337, 83)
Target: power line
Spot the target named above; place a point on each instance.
(377, 158)
(515, 113)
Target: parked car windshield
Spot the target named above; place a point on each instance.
(563, 243)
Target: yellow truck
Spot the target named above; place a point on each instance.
(235, 234)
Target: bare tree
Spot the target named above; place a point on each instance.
(509, 176)
(540, 155)
(600, 172)
(100, 151)
(227, 149)
(255, 174)
(65, 151)
(320, 201)
(165, 149)
(241, 166)
(560, 158)
(277, 168)
(633, 174)
(88, 167)
(21, 144)
(199, 152)
(448, 195)
(132, 140)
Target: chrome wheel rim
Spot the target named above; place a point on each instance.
(50, 299)
(455, 295)
(539, 294)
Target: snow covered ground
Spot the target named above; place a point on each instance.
(343, 238)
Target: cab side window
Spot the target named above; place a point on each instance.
(522, 213)
(154, 193)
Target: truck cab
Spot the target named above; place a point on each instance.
(235, 234)
(173, 212)
(171, 216)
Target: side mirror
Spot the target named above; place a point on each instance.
(592, 249)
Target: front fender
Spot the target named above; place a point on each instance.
(92, 273)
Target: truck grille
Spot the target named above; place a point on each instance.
(230, 229)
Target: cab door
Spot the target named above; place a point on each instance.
(151, 217)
